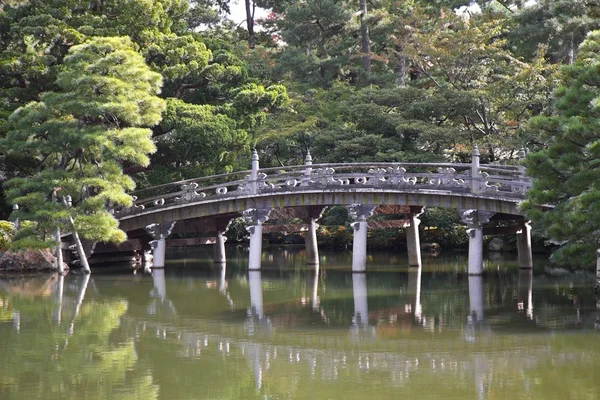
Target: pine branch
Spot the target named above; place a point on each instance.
(188, 86)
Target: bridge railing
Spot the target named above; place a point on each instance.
(494, 180)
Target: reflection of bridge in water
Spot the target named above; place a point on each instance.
(486, 197)
(360, 346)
(470, 354)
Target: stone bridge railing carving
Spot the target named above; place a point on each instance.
(491, 180)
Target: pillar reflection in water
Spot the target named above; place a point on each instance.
(81, 295)
(256, 298)
(253, 352)
(315, 289)
(476, 297)
(223, 286)
(414, 292)
(60, 283)
(361, 309)
(525, 292)
(159, 284)
(161, 303)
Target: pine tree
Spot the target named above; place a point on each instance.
(81, 135)
(567, 173)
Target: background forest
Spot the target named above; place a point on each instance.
(380, 80)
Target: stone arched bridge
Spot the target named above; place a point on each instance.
(478, 190)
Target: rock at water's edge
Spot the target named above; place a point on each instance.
(29, 261)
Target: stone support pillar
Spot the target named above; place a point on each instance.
(219, 249)
(255, 218)
(361, 309)
(475, 250)
(159, 232)
(476, 297)
(475, 221)
(359, 214)
(524, 247)
(312, 249)
(313, 213)
(413, 242)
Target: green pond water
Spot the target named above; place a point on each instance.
(192, 331)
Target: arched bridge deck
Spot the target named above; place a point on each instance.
(493, 188)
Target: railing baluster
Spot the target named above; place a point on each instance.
(475, 174)
(254, 173)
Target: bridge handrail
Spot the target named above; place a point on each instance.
(489, 179)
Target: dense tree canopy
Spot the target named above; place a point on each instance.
(416, 80)
(81, 134)
(567, 173)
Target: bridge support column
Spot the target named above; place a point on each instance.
(359, 213)
(219, 249)
(524, 247)
(312, 248)
(255, 218)
(160, 233)
(219, 256)
(475, 221)
(413, 241)
(475, 250)
(313, 213)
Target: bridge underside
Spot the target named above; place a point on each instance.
(232, 207)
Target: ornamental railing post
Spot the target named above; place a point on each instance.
(475, 174)
(254, 172)
(307, 169)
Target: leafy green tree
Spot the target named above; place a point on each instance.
(215, 105)
(82, 134)
(567, 172)
(471, 59)
(559, 24)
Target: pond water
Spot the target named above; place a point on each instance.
(192, 331)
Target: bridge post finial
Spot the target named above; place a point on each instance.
(308, 159)
(254, 172)
(308, 167)
(475, 175)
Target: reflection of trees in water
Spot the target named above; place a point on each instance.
(44, 360)
(206, 351)
(334, 365)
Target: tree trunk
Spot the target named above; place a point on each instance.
(365, 42)
(250, 8)
(400, 67)
(571, 50)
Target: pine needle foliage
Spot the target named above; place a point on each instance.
(81, 136)
(567, 172)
